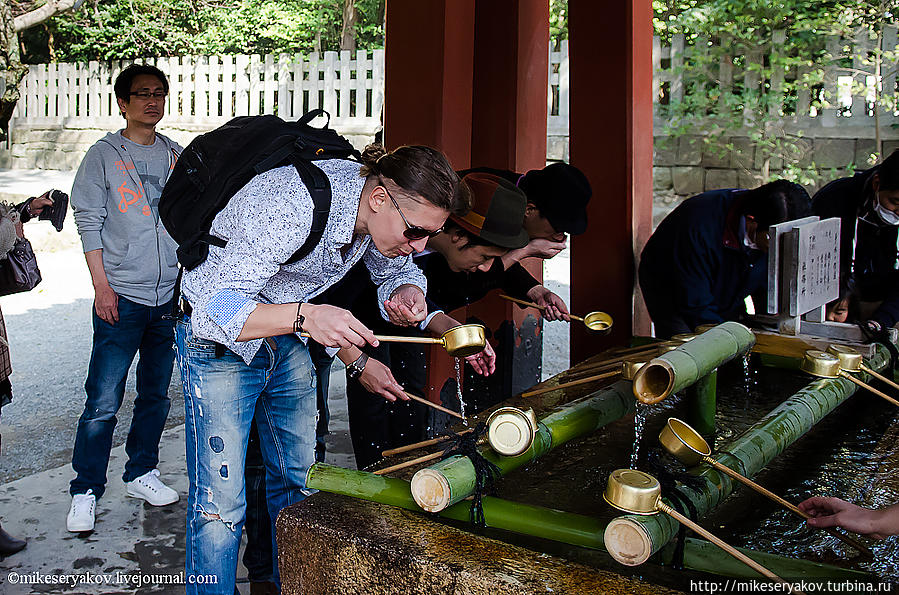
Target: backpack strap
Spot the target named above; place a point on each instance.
(320, 189)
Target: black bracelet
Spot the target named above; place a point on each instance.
(298, 323)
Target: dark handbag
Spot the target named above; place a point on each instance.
(18, 271)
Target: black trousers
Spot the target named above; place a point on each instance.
(377, 424)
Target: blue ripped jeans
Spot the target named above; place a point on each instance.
(221, 396)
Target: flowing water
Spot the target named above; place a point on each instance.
(458, 363)
(639, 423)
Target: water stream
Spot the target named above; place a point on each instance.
(639, 423)
(458, 364)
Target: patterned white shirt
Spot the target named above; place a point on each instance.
(265, 223)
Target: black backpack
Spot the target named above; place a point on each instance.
(215, 165)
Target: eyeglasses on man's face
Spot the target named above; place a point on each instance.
(145, 95)
(412, 232)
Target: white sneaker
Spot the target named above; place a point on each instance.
(81, 514)
(149, 487)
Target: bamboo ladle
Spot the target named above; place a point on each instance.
(589, 379)
(636, 492)
(418, 399)
(851, 361)
(594, 321)
(423, 444)
(686, 444)
(459, 341)
(825, 365)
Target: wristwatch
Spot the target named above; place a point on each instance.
(354, 370)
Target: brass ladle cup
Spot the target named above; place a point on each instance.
(851, 361)
(459, 341)
(687, 446)
(825, 365)
(636, 492)
(594, 321)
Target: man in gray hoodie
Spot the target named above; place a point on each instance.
(133, 267)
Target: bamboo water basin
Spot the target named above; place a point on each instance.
(852, 453)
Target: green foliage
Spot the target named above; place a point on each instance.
(729, 90)
(123, 29)
(558, 21)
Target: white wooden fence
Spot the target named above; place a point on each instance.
(207, 90)
(846, 96)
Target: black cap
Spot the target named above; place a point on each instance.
(561, 193)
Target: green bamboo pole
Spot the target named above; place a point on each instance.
(687, 364)
(705, 556)
(702, 403)
(452, 480)
(747, 454)
(564, 527)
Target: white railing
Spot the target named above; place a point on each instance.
(207, 90)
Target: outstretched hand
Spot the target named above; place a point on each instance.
(554, 306)
(37, 205)
(546, 248)
(834, 512)
(406, 306)
(483, 362)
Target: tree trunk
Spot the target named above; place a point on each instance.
(11, 69)
(348, 29)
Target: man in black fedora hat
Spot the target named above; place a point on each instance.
(453, 261)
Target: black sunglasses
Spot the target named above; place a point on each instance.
(412, 232)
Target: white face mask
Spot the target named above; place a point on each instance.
(886, 215)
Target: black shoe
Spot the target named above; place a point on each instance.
(9, 545)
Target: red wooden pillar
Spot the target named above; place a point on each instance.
(428, 76)
(509, 132)
(611, 142)
(469, 77)
(429, 82)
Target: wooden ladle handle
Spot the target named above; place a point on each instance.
(547, 389)
(533, 305)
(858, 382)
(724, 546)
(788, 505)
(879, 376)
(418, 399)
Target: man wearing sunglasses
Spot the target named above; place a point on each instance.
(132, 264)
(452, 262)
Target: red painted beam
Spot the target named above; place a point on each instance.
(428, 76)
(611, 142)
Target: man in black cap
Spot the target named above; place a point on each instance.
(557, 198)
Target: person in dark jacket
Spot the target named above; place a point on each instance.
(868, 207)
(708, 254)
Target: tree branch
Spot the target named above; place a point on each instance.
(41, 14)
